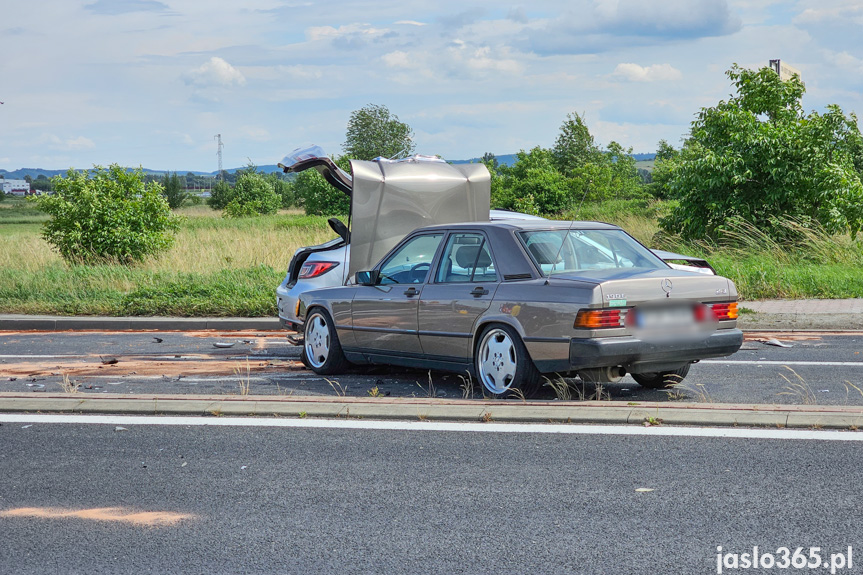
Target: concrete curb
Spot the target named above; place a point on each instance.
(412, 409)
(94, 323)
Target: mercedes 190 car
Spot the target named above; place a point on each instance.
(510, 301)
(389, 199)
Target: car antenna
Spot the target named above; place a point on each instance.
(563, 239)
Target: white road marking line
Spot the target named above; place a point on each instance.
(772, 362)
(566, 429)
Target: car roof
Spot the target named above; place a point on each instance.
(526, 225)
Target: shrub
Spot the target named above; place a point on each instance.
(319, 198)
(285, 190)
(107, 216)
(757, 159)
(253, 195)
(174, 190)
(221, 195)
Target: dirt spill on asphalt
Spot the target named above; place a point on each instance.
(147, 366)
(114, 514)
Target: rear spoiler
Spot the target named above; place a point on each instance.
(314, 157)
(671, 257)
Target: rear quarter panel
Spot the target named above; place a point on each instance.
(337, 302)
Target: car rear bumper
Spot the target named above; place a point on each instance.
(638, 355)
(635, 354)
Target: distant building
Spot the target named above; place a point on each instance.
(16, 187)
(784, 70)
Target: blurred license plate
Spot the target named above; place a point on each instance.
(658, 318)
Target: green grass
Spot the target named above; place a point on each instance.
(218, 267)
(17, 210)
(231, 267)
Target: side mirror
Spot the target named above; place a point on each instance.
(367, 278)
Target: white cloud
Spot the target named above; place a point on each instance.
(639, 70)
(315, 33)
(55, 142)
(483, 59)
(256, 133)
(214, 73)
(397, 59)
(654, 73)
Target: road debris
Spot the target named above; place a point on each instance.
(120, 428)
(776, 343)
(223, 344)
(109, 360)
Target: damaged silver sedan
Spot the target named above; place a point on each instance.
(510, 301)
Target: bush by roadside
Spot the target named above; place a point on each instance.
(107, 216)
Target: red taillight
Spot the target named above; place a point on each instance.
(597, 318)
(723, 311)
(315, 269)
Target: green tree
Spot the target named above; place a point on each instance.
(319, 198)
(41, 183)
(174, 190)
(757, 158)
(490, 161)
(574, 146)
(220, 196)
(374, 131)
(625, 183)
(532, 184)
(663, 168)
(107, 216)
(284, 189)
(253, 196)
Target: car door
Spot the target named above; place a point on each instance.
(385, 315)
(463, 287)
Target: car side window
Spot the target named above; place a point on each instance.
(411, 262)
(466, 258)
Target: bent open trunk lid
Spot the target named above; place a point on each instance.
(393, 198)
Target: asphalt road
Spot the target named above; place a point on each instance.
(818, 368)
(263, 500)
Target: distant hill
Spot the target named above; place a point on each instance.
(503, 159)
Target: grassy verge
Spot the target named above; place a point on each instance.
(224, 267)
(217, 267)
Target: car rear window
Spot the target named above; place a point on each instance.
(556, 251)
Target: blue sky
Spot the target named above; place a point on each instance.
(150, 82)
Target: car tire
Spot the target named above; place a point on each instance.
(661, 380)
(502, 363)
(321, 347)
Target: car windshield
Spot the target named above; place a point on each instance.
(556, 251)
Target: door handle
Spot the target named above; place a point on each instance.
(411, 292)
(478, 291)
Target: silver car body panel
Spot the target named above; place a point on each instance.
(390, 199)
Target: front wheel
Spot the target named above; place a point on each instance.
(503, 364)
(321, 347)
(661, 380)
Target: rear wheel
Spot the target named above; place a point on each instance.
(503, 364)
(321, 347)
(661, 380)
